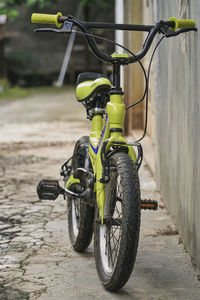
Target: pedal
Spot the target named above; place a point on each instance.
(149, 204)
(48, 189)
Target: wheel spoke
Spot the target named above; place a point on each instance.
(77, 204)
(115, 248)
(113, 230)
(116, 221)
(110, 259)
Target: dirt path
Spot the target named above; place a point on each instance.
(36, 259)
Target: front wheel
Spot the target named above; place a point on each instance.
(116, 241)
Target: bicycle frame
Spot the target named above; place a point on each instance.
(106, 133)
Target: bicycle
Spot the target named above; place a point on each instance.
(101, 183)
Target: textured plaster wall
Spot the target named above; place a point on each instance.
(177, 108)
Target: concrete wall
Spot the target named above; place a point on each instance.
(178, 122)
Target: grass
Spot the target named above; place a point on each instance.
(19, 92)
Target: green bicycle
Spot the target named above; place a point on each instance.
(101, 178)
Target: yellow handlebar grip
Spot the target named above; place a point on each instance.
(182, 23)
(46, 19)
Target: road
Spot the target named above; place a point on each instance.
(36, 259)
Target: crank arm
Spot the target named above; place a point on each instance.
(75, 195)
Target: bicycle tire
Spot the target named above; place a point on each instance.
(80, 213)
(122, 210)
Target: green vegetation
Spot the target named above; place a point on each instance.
(100, 3)
(6, 6)
(18, 92)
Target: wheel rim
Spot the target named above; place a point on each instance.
(75, 216)
(110, 233)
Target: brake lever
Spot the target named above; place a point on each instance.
(67, 28)
(169, 33)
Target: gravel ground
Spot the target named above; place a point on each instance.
(36, 258)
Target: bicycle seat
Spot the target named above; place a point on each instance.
(89, 84)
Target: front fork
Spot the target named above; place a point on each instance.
(102, 174)
(112, 137)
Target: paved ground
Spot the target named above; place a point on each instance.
(36, 258)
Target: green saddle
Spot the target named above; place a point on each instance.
(89, 84)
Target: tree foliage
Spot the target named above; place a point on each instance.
(100, 3)
(10, 3)
(6, 6)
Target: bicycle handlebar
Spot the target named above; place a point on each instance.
(172, 25)
(58, 19)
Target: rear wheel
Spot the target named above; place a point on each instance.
(80, 212)
(116, 241)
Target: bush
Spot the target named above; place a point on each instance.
(4, 85)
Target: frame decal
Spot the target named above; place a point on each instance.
(95, 150)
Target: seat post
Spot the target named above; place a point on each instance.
(115, 107)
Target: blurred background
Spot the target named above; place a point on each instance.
(29, 59)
